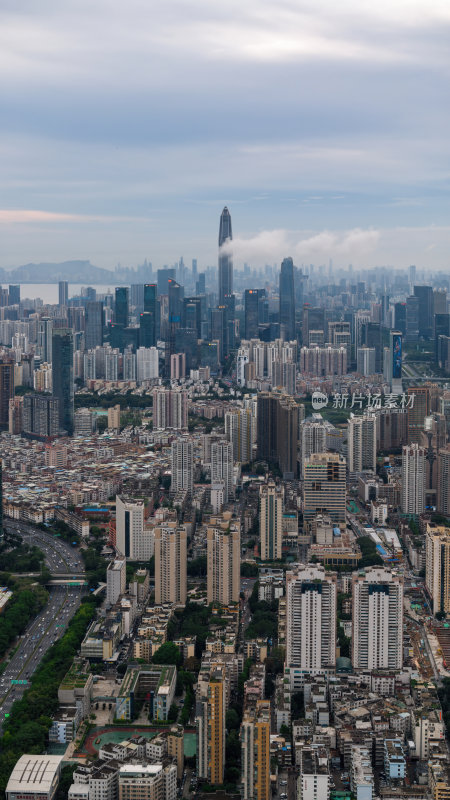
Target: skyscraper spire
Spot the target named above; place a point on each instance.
(225, 260)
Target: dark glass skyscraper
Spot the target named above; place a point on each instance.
(225, 260)
(424, 295)
(62, 372)
(94, 325)
(6, 391)
(251, 308)
(287, 300)
(122, 305)
(14, 295)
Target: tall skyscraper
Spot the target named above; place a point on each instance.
(6, 392)
(255, 751)
(251, 306)
(224, 559)
(62, 376)
(182, 465)
(240, 428)
(210, 712)
(170, 409)
(377, 619)
(116, 580)
(40, 416)
(424, 295)
(362, 443)
(324, 486)
(44, 339)
(413, 479)
(122, 306)
(93, 335)
(311, 597)
(132, 540)
(313, 438)
(14, 295)
(437, 568)
(287, 300)
(222, 466)
(412, 318)
(443, 493)
(277, 431)
(419, 408)
(225, 259)
(270, 522)
(63, 293)
(170, 564)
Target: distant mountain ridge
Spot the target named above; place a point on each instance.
(47, 272)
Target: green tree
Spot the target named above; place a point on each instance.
(168, 653)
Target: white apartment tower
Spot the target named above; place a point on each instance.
(129, 527)
(311, 597)
(170, 564)
(182, 465)
(222, 466)
(270, 521)
(116, 580)
(377, 637)
(413, 479)
(170, 409)
(362, 443)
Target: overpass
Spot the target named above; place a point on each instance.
(57, 578)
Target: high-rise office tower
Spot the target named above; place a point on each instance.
(437, 567)
(170, 564)
(287, 300)
(93, 336)
(240, 428)
(324, 486)
(311, 597)
(377, 619)
(362, 443)
(219, 329)
(270, 521)
(44, 339)
(14, 295)
(193, 314)
(170, 409)
(255, 751)
(210, 712)
(63, 293)
(1, 501)
(443, 493)
(6, 391)
(62, 376)
(400, 317)
(412, 318)
(182, 465)
(277, 431)
(122, 306)
(251, 308)
(163, 277)
(132, 540)
(225, 259)
(224, 559)
(441, 328)
(137, 297)
(313, 320)
(147, 332)
(365, 361)
(419, 408)
(222, 467)
(371, 337)
(413, 479)
(424, 295)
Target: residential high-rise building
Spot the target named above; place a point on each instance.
(313, 320)
(182, 465)
(147, 364)
(277, 431)
(44, 339)
(122, 305)
(443, 493)
(437, 567)
(377, 619)
(311, 597)
(62, 376)
(132, 540)
(177, 366)
(93, 335)
(287, 300)
(116, 580)
(40, 416)
(153, 781)
(224, 559)
(222, 466)
(270, 521)
(240, 427)
(314, 779)
(210, 712)
(6, 391)
(313, 438)
(170, 564)
(413, 479)
(365, 360)
(418, 409)
(63, 293)
(170, 409)
(324, 486)
(362, 443)
(225, 259)
(255, 751)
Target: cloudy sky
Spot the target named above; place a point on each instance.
(127, 126)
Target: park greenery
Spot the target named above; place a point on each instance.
(26, 729)
(25, 603)
(22, 558)
(370, 555)
(264, 620)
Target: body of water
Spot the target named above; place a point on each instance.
(48, 292)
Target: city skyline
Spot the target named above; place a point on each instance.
(321, 128)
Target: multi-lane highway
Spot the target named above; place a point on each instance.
(50, 623)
